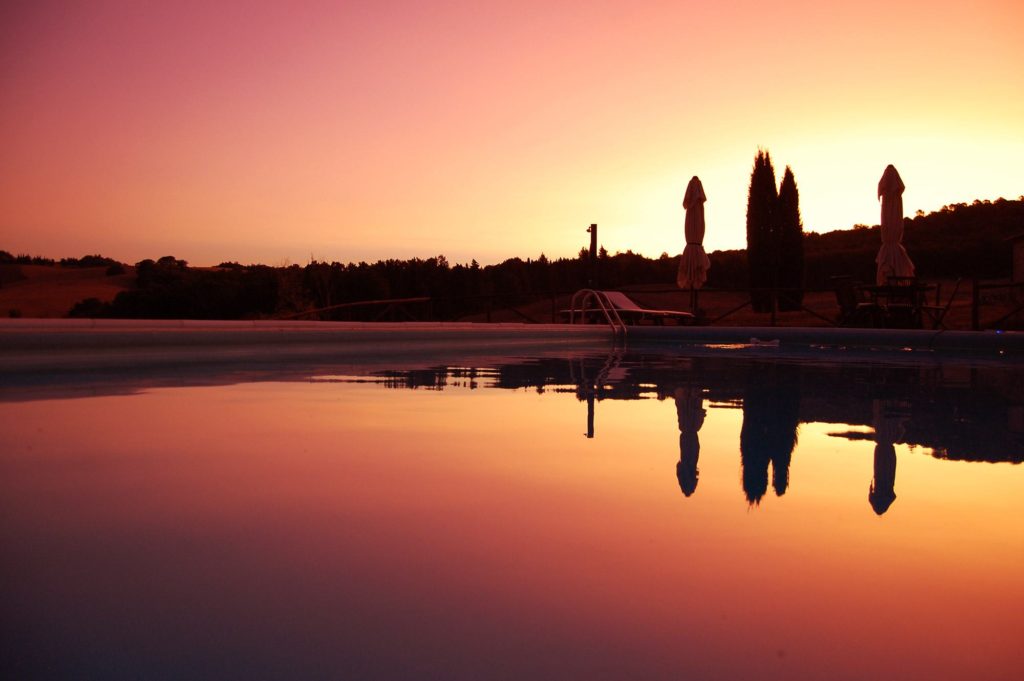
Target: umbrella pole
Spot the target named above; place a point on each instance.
(590, 415)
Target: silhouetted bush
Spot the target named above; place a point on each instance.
(171, 261)
(90, 308)
(88, 261)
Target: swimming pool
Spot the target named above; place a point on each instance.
(603, 513)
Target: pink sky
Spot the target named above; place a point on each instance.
(276, 132)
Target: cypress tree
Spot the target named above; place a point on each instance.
(790, 244)
(761, 242)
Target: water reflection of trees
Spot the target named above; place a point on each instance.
(959, 413)
(771, 414)
(967, 413)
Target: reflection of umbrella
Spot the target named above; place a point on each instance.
(694, 265)
(888, 429)
(690, 412)
(892, 258)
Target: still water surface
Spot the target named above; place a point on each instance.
(578, 517)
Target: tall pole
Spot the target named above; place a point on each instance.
(592, 260)
(975, 304)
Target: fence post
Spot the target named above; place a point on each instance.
(592, 259)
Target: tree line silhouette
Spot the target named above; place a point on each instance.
(85, 261)
(967, 240)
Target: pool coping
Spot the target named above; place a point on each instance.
(50, 344)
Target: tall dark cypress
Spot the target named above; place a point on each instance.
(790, 244)
(761, 242)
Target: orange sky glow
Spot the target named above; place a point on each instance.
(275, 132)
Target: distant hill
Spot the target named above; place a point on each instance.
(968, 240)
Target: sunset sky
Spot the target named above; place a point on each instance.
(275, 132)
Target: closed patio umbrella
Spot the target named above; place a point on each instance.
(694, 264)
(892, 258)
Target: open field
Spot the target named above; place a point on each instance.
(51, 291)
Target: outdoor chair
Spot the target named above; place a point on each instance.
(902, 302)
(911, 309)
(937, 313)
(855, 309)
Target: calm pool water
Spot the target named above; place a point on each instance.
(573, 517)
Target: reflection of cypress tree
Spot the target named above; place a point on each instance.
(782, 450)
(790, 243)
(771, 413)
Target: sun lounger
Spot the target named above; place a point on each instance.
(629, 311)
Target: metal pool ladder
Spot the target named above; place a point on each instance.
(581, 301)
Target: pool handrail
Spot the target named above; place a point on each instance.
(579, 303)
